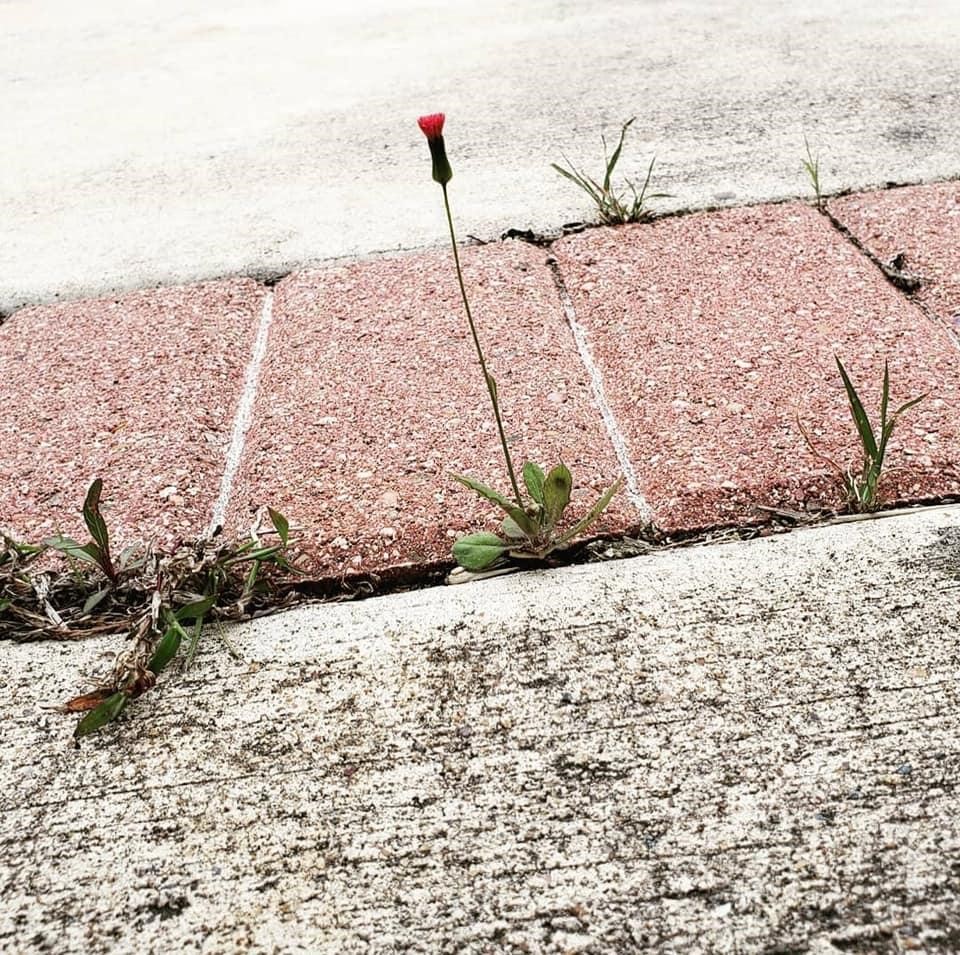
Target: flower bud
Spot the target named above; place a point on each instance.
(432, 127)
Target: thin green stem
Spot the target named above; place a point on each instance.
(483, 365)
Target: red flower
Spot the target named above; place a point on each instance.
(432, 127)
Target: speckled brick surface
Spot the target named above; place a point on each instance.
(141, 391)
(921, 224)
(370, 395)
(714, 331)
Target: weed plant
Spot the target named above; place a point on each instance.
(614, 208)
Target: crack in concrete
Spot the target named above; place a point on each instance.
(905, 283)
(271, 276)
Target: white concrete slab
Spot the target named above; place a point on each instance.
(742, 748)
(154, 143)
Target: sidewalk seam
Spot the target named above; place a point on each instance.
(617, 438)
(883, 269)
(244, 415)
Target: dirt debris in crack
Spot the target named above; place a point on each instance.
(637, 541)
(542, 240)
(894, 271)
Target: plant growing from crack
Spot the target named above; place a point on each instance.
(812, 166)
(531, 529)
(862, 488)
(161, 599)
(614, 208)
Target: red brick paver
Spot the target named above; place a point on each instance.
(140, 390)
(714, 331)
(371, 394)
(921, 225)
(711, 332)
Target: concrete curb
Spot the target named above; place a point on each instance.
(741, 748)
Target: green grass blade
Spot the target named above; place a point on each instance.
(812, 165)
(245, 554)
(859, 415)
(534, 477)
(885, 396)
(94, 599)
(598, 191)
(251, 582)
(166, 649)
(98, 717)
(615, 158)
(906, 406)
(195, 609)
(194, 641)
(646, 181)
(596, 196)
(280, 524)
(889, 425)
(93, 518)
(70, 547)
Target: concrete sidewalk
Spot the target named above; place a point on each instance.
(181, 142)
(742, 748)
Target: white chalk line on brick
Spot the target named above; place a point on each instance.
(617, 438)
(241, 423)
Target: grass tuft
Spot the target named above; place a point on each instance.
(812, 166)
(161, 599)
(614, 208)
(863, 487)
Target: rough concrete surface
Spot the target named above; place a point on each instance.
(743, 748)
(155, 143)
